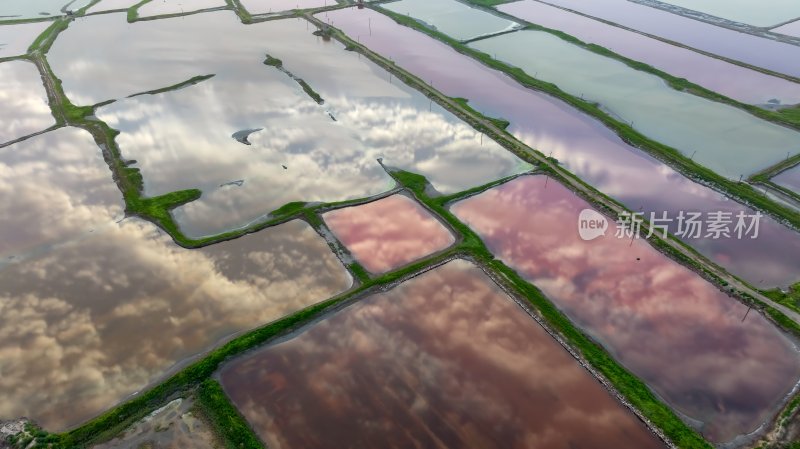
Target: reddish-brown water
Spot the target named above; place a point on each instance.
(697, 348)
(388, 233)
(445, 360)
(582, 144)
(735, 81)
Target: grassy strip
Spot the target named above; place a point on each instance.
(240, 10)
(358, 271)
(133, 11)
(278, 64)
(225, 418)
(740, 191)
(190, 82)
(498, 122)
(44, 41)
(789, 298)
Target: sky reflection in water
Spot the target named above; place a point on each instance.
(669, 326)
(445, 360)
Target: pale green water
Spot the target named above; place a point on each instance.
(725, 139)
(451, 17)
(763, 13)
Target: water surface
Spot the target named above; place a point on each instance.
(444, 360)
(304, 152)
(54, 188)
(159, 7)
(791, 29)
(110, 5)
(34, 9)
(697, 348)
(270, 6)
(769, 54)
(734, 81)
(388, 233)
(24, 109)
(762, 14)
(94, 320)
(584, 146)
(15, 39)
(789, 179)
(452, 17)
(723, 138)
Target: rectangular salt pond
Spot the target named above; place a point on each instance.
(734, 81)
(110, 5)
(35, 9)
(690, 342)
(97, 319)
(388, 233)
(765, 13)
(23, 101)
(162, 7)
(444, 360)
(789, 179)
(777, 56)
(456, 19)
(274, 6)
(583, 145)
(303, 151)
(723, 138)
(15, 39)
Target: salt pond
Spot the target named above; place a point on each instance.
(734, 81)
(763, 14)
(791, 29)
(769, 54)
(34, 9)
(273, 6)
(388, 233)
(723, 138)
(110, 5)
(304, 152)
(703, 352)
(444, 360)
(161, 7)
(59, 182)
(24, 108)
(584, 146)
(453, 18)
(15, 39)
(92, 321)
(789, 179)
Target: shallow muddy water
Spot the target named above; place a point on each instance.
(762, 14)
(54, 188)
(444, 360)
(24, 109)
(388, 233)
(773, 55)
(696, 347)
(159, 7)
(452, 17)
(15, 39)
(584, 146)
(789, 179)
(737, 82)
(94, 320)
(723, 138)
(304, 152)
